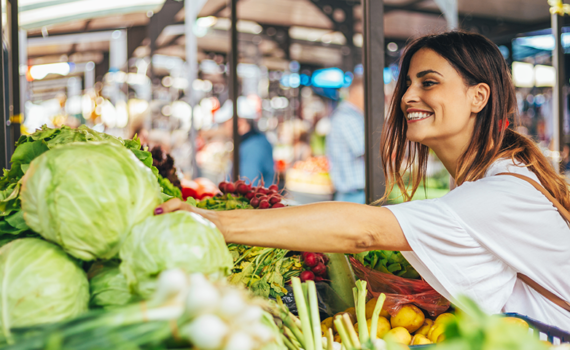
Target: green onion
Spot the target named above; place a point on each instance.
(303, 313)
(361, 311)
(375, 316)
(315, 317)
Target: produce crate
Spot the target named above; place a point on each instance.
(552, 334)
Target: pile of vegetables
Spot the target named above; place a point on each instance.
(76, 201)
(186, 311)
(240, 195)
(316, 269)
(388, 261)
(29, 147)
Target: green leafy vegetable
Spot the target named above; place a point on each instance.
(176, 240)
(388, 261)
(32, 146)
(87, 197)
(40, 284)
(108, 286)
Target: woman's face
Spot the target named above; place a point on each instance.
(438, 105)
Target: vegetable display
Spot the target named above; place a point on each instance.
(175, 240)
(40, 284)
(87, 197)
(388, 261)
(29, 147)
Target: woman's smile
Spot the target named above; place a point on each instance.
(414, 115)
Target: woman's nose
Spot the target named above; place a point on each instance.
(410, 96)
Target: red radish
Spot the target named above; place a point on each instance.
(249, 195)
(274, 199)
(274, 188)
(304, 254)
(261, 190)
(230, 187)
(319, 279)
(310, 259)
(325, 258)
(263, 204)
(242, 189)
(278, 205)
(222, 186)
(254, 202)
(320, 269)
(307, 276)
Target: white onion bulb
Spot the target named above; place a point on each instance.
(240, 341)
(206, 332)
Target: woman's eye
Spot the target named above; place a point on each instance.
(428, 83)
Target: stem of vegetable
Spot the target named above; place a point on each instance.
(330, 339)
(376, 315)
(315, 317)
(351, 332)
(288, 343)
(303, 313)
(346, 341)
(361, 311)
(294, 329)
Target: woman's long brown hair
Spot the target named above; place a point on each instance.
(477, 60)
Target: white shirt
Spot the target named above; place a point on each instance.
(475, 239)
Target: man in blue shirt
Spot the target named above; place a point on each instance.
(255, 153)
(345, 146)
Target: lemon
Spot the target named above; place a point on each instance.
(370, 305)
(409, 317)
(424, 329)
(399, 335)
(516, 321)
(436, 331)
(420, 339)
(324, 330)
(382, 328)
(337, 338)
(444, 318)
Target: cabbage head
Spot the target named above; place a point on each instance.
(40, 284)
(108, 286)
(175, 240)
(87, 197)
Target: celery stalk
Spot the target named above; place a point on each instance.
(315, 317)
(361, 311)
(303, 313)
(376, 315)
(341, 329)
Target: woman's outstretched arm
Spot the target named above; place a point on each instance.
(332, 227)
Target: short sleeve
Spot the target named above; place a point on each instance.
(449, 258)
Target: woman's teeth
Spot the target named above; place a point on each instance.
(418, 115)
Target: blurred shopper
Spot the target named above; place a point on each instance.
(256, 153)
(345, 146)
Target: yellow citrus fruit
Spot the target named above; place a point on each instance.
(370, 305)
(436, 331)
(424, 329)
(444, 318)
(398, 335)
(516, 321)
(337, 338)
(328, 322)
(409, 317)
(440, 338)
(420, 339)
(382, 328)
(324, 330)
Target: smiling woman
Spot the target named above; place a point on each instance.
(454, 95)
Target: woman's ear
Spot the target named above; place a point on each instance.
(481, 93)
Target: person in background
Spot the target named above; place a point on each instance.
(345, 146)
(256, 153)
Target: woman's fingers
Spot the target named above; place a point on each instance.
(174, 204)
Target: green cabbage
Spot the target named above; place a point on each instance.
(40, 284)
(108, 286)
(176, 240)
(87, 197)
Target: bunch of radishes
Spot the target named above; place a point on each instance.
(316, 264)
(259, 197)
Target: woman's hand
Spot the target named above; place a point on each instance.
(176, 204)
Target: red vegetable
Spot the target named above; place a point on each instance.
(222, 186)
(324, 258)
(274, 199)
(319, 279)
(254, 202)
(230, 187)
(307, 276)
(274, 188)
(310, 259)
(278, 205)
(242, 189)
(320, 269)
(249, 195)
(264, 204)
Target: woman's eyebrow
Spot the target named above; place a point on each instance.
(427, 71)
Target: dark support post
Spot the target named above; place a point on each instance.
(373, 62)
(233, 62)
(17, 116)
(558, 92)
(3, 138)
